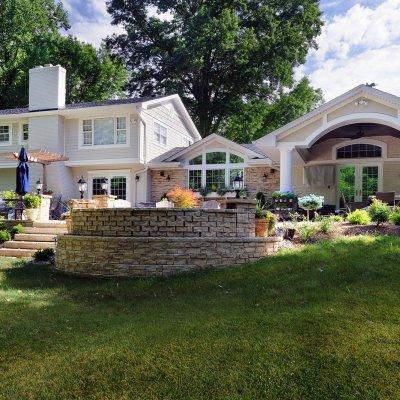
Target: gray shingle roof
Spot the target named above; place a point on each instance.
(74, 106)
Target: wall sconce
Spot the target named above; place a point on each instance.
(137, 177)
(265, 176)
(168, 178)
(162, 173)
(272, 170)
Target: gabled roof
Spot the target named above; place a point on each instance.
(249, 149)
(360, 90)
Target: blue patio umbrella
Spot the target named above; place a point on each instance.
(22, 173)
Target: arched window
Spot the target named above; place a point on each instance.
(359, 150)
(214, 169)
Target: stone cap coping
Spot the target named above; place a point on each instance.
(239, 201)
(268, 239)
(158, 209)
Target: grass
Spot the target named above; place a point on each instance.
(320, 323)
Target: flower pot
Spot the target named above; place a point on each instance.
(262, 227)
(289, 233)
(32, 214)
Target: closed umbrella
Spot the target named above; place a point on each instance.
(22, 173)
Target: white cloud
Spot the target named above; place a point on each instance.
(357, 47)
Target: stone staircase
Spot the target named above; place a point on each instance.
(41, 235)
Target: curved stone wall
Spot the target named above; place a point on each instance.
(144, 257)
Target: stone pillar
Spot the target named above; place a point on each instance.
(104, 201)
(44, 210)
(246, 214)
(286, 166)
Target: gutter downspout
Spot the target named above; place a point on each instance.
(137, 173)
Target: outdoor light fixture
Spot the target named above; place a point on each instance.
(168, 178)
(104, 186)
(39, 186)
(82, 186)
(238, 185)
(137, 177)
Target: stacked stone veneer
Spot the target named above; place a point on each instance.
(159, 242)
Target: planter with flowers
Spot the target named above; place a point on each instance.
(32, 204)
(265, 222)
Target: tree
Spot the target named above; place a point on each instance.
(218, 55)
(257, 117)
(30, 36)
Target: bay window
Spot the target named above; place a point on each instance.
(104, 131)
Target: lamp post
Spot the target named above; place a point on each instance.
(104, 186)
(39, 186)
(238, 185)
(82, 186)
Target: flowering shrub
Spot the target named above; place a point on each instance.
(311, 202)
(283, 195)
(182, 198)
(395, 217)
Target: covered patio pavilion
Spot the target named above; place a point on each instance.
(351, 144)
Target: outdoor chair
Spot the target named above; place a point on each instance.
(55, 212)
(211, 205)
(386, 197)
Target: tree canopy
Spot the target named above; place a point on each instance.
(225, 58)
(30, 32)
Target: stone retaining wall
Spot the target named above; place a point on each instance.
(143, 257)
(164, 222)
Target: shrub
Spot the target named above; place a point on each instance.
(16, 229)
(44, 255)
(4, 236)
(395, 216)
(8, 195)
(312, 202)
(32, 201)
(336, 218)
(182, 198)
(326, 225)
(2, 223)
(359, 217)
(307, 231)
(379, 212)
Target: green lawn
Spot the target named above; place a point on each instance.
(320, 323)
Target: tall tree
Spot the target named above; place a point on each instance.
(217, 54)
(30, 35)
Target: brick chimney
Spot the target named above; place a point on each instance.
(47, 87)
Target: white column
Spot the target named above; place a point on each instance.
(286, 165)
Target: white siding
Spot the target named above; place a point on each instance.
(72, 150)
(176, 130)
(7, 179)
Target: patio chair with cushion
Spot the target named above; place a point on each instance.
(386, 197)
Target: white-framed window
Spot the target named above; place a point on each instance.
(24, 132)
(186, 142)
(104, 131)
(5, 135)
(214, 169)
(160, 133)
(118, 183)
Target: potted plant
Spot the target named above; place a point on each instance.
(213, 191)
(48, 192)
(244, 193)
(32, 204)
(265, 221)
(311, 202)
(203, 192)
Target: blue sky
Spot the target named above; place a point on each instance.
(360, 42)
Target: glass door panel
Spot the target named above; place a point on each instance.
(370, 181)
(347, 184)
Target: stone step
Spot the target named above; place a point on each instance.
(49, 231)
(50, 224)
(29, 245)
(30, 237)
(19, 253)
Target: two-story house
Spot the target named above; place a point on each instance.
(142, 146)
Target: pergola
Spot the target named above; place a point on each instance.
(43, 157)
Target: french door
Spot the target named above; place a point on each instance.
(356, 182)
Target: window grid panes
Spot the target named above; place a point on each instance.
(160, 133)
(87, 132)
(97, 190)
(359, 150)
(118, 187)
(195, 179)
(121, 130)
(215, 178)
(25, 132)
(216, 157)
(233, 173)
(104, 131)
(234, 159)
(4, 134)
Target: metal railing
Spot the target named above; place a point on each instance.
(12, 207)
